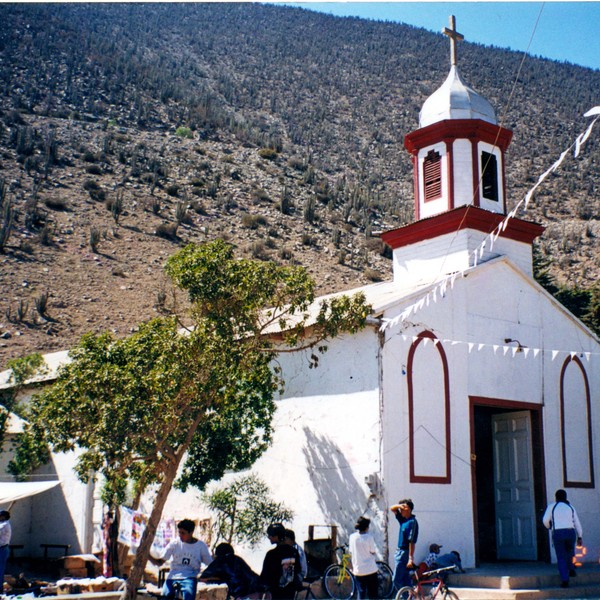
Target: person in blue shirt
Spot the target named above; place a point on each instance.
(407, 538)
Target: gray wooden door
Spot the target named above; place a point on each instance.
(513, 487)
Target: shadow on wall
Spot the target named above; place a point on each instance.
(45, 518)
(341, 496)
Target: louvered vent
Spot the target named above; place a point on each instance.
(432, 175)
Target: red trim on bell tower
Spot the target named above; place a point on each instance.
(452, 129)
(463, 217)
(447, 132)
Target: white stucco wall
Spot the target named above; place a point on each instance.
(326, 442)
(428, 260)
(444, 511)
(462, 160)
(492, 304)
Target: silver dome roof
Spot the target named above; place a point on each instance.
(455, 100)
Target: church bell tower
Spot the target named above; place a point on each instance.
(459, 186)
(458, 150)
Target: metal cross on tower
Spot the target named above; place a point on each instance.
(454, 36)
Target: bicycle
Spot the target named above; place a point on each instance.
(428, 586)
(338, 580)
(307, 590)
(385, 580)
(176, 594)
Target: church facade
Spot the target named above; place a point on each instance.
(472, 391)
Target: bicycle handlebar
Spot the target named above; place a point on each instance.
(438, 571)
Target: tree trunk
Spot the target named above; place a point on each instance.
(231, 529)
(143, 551)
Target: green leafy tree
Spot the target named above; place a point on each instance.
(244, 510)
(592, 315)
(21, 370)
(31, 450)
(140, 408)
(583, 303)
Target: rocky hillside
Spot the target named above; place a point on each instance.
(128, 130)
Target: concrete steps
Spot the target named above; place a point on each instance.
(524, 581)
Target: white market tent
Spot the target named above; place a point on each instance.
(10, 491)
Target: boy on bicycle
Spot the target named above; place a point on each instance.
(187, 555)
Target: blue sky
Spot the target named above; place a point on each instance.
(568, 31)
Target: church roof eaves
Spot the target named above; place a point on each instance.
(462, 217)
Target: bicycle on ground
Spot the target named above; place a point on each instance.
(385, 580)
(428, 586)
(339, 581)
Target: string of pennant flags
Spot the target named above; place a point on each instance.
(441, 288)
(503, 349)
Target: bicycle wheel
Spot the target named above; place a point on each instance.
(449, 595)
(339, 583)
(407, 593)
(385, 580)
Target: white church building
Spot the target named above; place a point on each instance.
(471, 391)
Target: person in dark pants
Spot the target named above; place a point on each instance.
(233, 570)
(364, 564)
(407, 538)
(281, 567)
(5, 535)
(561, 517)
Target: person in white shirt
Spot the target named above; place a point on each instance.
(5, 535)
(364, 559)
(561, 517)
(187, 555)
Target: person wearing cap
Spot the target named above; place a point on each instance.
(561, 517)
(5, 535)
(407, 538)
(431, 558)
(280, 572)
(450, 559)
(364, 565)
